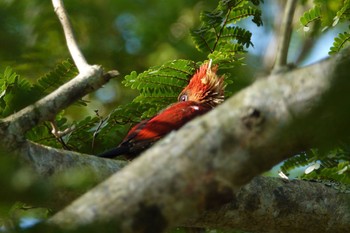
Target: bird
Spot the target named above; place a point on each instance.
(204, 91)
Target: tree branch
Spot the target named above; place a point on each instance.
(48, 161)
(271, 203)
(216, 154)
(13, 128)
(285, 33)
(73, 47)
(50, 167)
(48, 177)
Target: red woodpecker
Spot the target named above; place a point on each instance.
(204, 91)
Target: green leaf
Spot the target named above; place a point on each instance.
(344, 11)
(62, 73)
(161, 84)
(242, 13)
(218, 37)
(310, 16)
(242, 36)
(299, 160)
(339, 42)
(204, 39)
(340, 173)
(213, 18)
(332, 164)
(15, 92)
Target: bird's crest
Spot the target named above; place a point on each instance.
(205, 86)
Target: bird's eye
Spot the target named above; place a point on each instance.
(183, 98)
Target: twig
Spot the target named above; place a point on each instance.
(74, 50)
(286, 30)
(58, 133)
(98, 129)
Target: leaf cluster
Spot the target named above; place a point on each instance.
(17, 92)
(330, 165)
(220, 36)
(326, 14)
(161, 85)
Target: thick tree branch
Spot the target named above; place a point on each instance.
(285, 33)
(48, 161)
(73, 47)
(270, 202)
(275, 205)
(267, 122)
(54, 177)
(51, 165)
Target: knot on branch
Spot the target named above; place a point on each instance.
(252, 118)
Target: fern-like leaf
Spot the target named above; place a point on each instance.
(299, 160)
(339, 173)
(344, 11)
(310, 16)
(238, 14)
(15, 92)
(218, 35)
(204, 39)
(62, 73)
(339, 42)
(331, 165)
(242, 36)
(162, 83)
(327, 14)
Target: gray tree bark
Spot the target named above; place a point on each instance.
(276, 205)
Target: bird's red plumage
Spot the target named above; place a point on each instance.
(172, 118)
(204, 91)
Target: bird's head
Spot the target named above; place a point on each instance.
(204, 87)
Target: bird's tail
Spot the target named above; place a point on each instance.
(120, 150)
